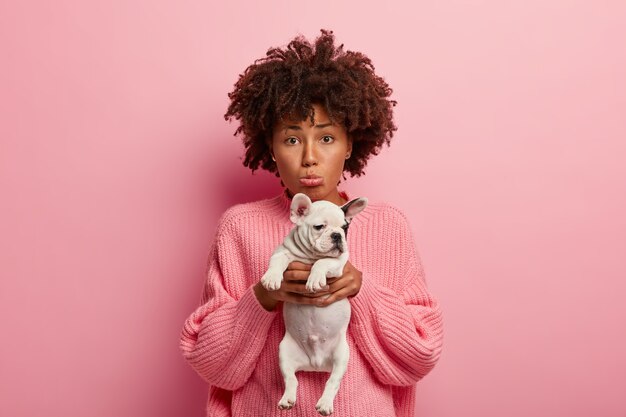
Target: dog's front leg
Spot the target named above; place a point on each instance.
(322, 268)
(340, 363)
(279, 262)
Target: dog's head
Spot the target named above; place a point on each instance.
(322, 225)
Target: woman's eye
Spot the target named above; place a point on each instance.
(290, 142)
(329, 137)
(318, 227)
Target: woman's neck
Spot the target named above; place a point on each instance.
(337, 197)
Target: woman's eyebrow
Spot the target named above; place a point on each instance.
(318, 126)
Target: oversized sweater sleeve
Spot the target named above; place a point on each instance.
(399, 331)
(224, 336)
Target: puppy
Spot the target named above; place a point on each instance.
(315, 337)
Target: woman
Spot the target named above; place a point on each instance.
(308, 114)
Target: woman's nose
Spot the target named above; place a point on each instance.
(310, 154)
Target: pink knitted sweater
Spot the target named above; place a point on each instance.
(395, 332)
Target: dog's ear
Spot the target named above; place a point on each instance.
(354, 207)
(300, 207)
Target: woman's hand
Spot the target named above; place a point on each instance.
(293, 287)
(347, 285)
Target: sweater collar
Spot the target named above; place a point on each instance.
(285, 200)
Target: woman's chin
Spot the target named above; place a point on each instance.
(316, 193)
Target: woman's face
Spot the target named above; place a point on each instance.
(302, 149)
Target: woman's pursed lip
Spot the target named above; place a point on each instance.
(311, 181)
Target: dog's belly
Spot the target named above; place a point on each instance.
(317, 330)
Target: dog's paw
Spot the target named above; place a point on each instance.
(286, 402)
(315, 282)
(271, 280)
(324, 407)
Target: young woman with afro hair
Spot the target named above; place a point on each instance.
(308, 113)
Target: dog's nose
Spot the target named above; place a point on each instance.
(336, 236)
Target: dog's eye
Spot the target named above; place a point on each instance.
(318, 227)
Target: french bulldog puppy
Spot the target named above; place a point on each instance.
(315, 337)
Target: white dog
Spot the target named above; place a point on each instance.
(315, 337)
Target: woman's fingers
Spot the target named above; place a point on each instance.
(298, 298)
(300, 288)
(293, 288)
(299, 266)
(296, 275)
(335, 296)
(319, 298)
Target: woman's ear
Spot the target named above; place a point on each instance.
(349, 144)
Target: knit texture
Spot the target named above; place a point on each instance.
(395, 333)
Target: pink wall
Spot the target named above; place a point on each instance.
(115, 163)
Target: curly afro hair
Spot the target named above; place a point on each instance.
(288, 81)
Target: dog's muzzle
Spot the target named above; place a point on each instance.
(337, 241)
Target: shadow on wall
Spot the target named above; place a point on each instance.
(239, 185)
(224, 182)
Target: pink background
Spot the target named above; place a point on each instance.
(116, 162)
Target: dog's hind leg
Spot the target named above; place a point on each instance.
(340, 363)
(291, 359)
